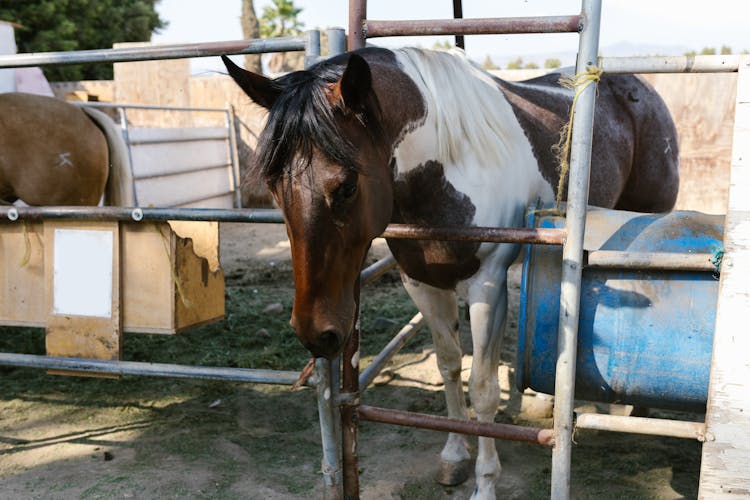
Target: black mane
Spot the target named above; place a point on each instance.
(302, 119)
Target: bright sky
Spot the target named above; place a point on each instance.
(679, 24)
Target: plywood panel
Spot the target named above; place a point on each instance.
(725, 465)
(148, 291)
(81, 333)
(22, 285)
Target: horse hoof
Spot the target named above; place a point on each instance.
(453, 473)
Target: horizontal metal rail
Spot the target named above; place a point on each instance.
(390, 350)
(377, 270)
(650, 261)
(407, 231)
(178, 51)
(149, 107)
(488, 26)
(447, 424)
(153, 369)
(538, 236)
(671, 64)
(218, 135)
(641, 425)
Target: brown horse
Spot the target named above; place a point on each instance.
(56, 153)
(427, 137)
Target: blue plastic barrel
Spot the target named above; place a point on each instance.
(645, 336)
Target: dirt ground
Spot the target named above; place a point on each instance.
(164, 439)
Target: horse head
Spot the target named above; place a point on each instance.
(325, 155)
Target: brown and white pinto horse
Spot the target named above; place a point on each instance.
(427, 137)
(55, 153)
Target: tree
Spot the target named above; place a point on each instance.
(725, 50)
(280, 19)
(517, 64)
(250, 29)
(56, 25)
(531, 65)
(708, 51)
(552, 63)
(488, 64)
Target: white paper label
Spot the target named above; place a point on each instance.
(82, 281)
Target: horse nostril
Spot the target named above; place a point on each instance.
(330, 342)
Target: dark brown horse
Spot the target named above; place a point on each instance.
(427, 137)
(56, 153)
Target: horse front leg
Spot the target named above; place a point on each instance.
(488, 298)
(440, 310)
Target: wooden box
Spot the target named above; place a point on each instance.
(168, 274)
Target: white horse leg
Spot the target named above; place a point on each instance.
(489, 300)
(440, 310)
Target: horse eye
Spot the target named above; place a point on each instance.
(345, 191)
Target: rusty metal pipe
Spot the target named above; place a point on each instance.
(492, 234)
(486, 26)
(357, 16)
(447, 424)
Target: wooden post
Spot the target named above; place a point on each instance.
(725, 469)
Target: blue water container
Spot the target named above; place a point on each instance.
(645, 336)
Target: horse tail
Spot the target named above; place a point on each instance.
(119, 190)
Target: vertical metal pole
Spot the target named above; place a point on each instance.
(349, 424)
(336, 41)
(578, 189)
(458, 13)
(231, 124)
(332, 485)
(126, 135)
(329, 372)
(312, 48)
(357, 17)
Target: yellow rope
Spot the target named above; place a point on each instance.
(578, 82)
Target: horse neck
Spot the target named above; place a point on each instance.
(469, 128)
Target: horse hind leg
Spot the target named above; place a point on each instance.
(440, 310)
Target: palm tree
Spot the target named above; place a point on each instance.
(280, 19)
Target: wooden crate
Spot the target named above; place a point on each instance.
(169, 277)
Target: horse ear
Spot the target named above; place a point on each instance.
(355, 83)
(261, 90)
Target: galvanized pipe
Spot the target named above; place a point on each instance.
(575, 223)
(390, 350)
(671, 64)
(640, 425)
(153, 369)
(312, 47)
(488, 26)
(376, 270)
(650, 261)
(408, 231)
(180, 51)
(231, 123)
(447, 424)
(336, 41)
(331, 466)
(154, 107)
